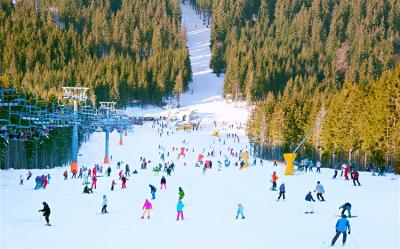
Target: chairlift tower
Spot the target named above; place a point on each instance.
(108, 107)
(77, 94)
(120, 113)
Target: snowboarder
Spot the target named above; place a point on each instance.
(310, 206)
(320, 190)
(240, 211)
(87, 190)
(46, 212)
(147, 207)
(274, 179)
(153, 191)
(355, 176)
(346, 206)
(181, 193)
(163, 182)
(342, 225)
(281, 191)
(113, 183)
(179, 209)
(65, 175)
(104, 208)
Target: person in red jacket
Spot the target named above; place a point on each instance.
(355, 176)
(74, 172)
(65, 175)
(274, 179)
(45, 181)
(94, 182)
(346, 172)
(120, 175)
(124, 182)
(94, 171)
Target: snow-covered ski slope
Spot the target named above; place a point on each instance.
(210, 200)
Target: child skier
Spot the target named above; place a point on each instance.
(342, 225)
(179, 209)
(152, 191)
(181, 193)
(281, 191)
(104, 204)
(346, 206)
(320, 190)
(310, 206)
(147, 207)
(46, 212)
(163, 182)
(240, 211)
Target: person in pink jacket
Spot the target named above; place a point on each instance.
(147, 207)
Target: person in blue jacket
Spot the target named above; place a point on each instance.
(281, 191)
(310, 206)
(240, 211)
(179, 209)
(342, 225)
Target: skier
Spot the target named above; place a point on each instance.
(94, 171)
(181, 193)
(346, 172)
(94, 181)
(65, 175)
(80, 173)
(120, 174)
(46, 212)
(163, 182)
(113, 183)
(336, 170)
(346, 206)
(89, 173)
(108, 171)
(152, 191)
(274, 179)
(381, 171)
(45, 182)
(87, 190)
(147, 207)
(240, 211)
(29, 175)
(318, 167)
(48, 178)
(124, 179)
(179, 209)
(355, 176)
(310, 206)
(275, 163)
(74, 173)
(21, 180)
(320, 190)
(127, 170)
(281, 191)
(104, 208)
(342, 225)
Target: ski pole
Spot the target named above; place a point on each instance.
(330, 235)
(355, 243)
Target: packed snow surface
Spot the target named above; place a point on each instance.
(210, 199)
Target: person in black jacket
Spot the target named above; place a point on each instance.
(46, 212)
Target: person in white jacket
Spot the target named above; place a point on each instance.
(105, 202)
(320, 190)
